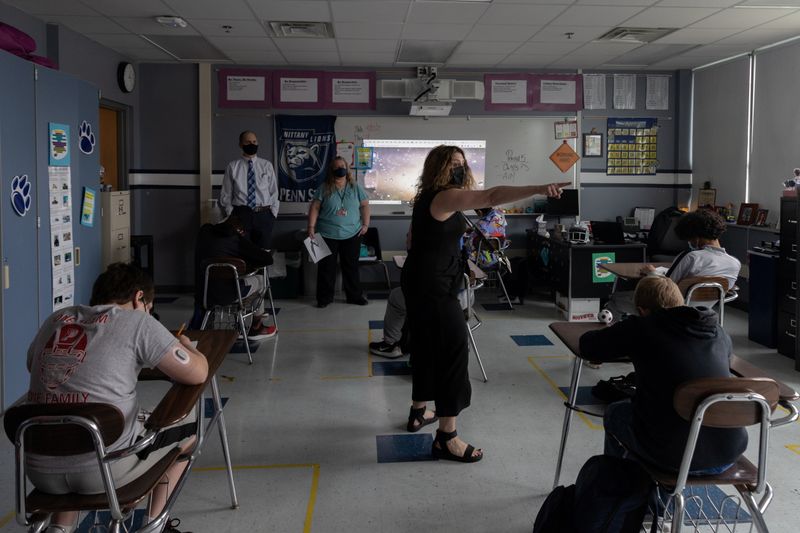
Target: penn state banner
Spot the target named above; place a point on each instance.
(306, 145)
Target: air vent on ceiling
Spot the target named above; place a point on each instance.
(314, 30)
(635, 35)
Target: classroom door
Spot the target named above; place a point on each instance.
(109, 146)
(18, 299)
(63, 99)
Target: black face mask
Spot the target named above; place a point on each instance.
(340, 172)
(250, 149)
(457, 176)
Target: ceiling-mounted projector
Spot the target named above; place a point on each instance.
(430, 109)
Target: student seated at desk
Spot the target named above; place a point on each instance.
(669, 344)
(94, 354)
(705, 257)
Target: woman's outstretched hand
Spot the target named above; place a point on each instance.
(553, 190)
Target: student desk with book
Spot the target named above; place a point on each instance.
(570, 333)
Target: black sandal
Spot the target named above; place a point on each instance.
(418, 415)
(443, 452)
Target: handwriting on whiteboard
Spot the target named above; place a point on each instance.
(513, 164)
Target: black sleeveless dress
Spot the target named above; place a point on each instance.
(432, 276)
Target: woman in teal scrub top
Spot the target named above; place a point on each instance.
(340, 214)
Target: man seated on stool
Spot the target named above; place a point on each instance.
(227, 239)
(705, 257)
(669, 344)
(94, 353)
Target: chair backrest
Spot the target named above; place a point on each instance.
(221, 280)
(688, 396)
(61, 439)
(703, 288)
(371, 238)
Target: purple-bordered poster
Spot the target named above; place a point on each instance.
(239, 87)
(297, 89)
(557, 92)
(349, 90)
(507, 91)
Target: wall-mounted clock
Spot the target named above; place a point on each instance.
(126, 77)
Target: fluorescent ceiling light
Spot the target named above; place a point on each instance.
(171, 22)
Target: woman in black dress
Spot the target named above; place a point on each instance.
(431, 279)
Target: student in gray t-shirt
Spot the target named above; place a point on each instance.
(94, 353)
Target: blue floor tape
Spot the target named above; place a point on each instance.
(404, 448)
(531, 340)
(103, 518)
(391, 368)
(376, 324)
(208, 408)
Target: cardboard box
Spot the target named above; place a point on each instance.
(578, 309)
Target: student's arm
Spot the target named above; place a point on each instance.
(611, 343)
(313, 214)
(449, 201)
(683, 267)
(184, 364)
(226, 193)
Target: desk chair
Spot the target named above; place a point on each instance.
(222, 294)
(708, 289)
(469, 314)
(723, 403)
(71, 429)
(372, 240)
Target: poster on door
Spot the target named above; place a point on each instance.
(62, 250)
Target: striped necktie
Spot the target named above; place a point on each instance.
(251, 185)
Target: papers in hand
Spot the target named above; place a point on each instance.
(317, 248)
(662, 271)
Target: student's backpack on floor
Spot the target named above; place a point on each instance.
(610, 495)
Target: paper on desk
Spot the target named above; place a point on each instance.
(317, 248)
(662, 271)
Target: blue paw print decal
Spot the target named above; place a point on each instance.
(21, 194)
(87, 141)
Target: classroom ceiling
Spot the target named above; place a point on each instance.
(496, 34)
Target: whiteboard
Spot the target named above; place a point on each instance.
(517, 149)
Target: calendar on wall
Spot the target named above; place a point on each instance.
(632, 146)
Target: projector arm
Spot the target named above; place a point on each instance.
(429, 87)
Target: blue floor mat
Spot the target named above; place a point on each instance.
(391, 368)
(376, 324)
(404, 448)
(104, 517)
(531, 340)
(711, 499)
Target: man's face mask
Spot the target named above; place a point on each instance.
(457, 175)
(340, 172)
(250, 149)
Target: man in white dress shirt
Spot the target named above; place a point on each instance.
(250, 191)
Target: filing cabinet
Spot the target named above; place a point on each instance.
(116, 229)
(787, 281)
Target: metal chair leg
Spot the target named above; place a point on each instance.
(205, 319)
(677, 512)
(505, 292)
(244, 336)
(271, 302)
(388, 281)
(477, 353)
(755, 512)
(573, 395)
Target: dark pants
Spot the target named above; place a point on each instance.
(257, 225)
(347, 251)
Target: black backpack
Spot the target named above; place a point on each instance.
(610, 495)
(659, 228)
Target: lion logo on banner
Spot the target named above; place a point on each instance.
(303, 162)
(62, 354)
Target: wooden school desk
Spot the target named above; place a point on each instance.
(570, 333)
(180, 399)
(628, 271)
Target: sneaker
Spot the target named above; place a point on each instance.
(385, 349)
(263, 332)
(172, 525)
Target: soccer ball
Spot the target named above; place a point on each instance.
(605, 316)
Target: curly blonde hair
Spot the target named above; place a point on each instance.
(436, 170)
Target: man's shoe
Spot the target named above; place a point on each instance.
(263, 332)
(385, 349)
(358, 301)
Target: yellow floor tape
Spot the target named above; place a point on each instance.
(552, 383)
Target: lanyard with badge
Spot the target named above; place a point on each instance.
(341, 212)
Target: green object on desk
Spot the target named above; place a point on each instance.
(599, 275)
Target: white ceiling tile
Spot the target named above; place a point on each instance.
(360, 11)
(695, 36)
(550, 2)
(669, 17)
(441, 12)
(367, 45)
(576, 62)
(366, 59)
(789, 22)
(114, 40)
(740, 18)
(640, 3)
(595, 15)
(549, 48)
(436, 32)
(770, 3)
(524, 14)
(759, 37)
(675, 63)
(487, 47)
(305, 10)
(86, 25)
(239, 28)
(377, 30)
(580, 34)
(699, 3)
(716, 51)
(529, 61)
(313, 58)
(243, 44)
(210, 9)
(496, 32)
(150, 53)
(612, 49)
(474, 60)
(303, 44)
(52, 7)
(151, 27)
(127, 8)
(257, 58)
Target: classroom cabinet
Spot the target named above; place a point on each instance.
(787, 280)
